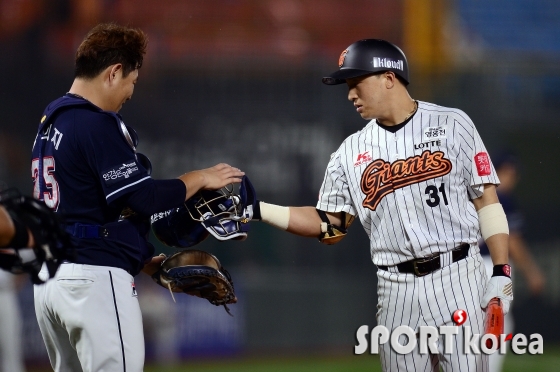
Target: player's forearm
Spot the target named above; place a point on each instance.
(302, 221)
(194, 181)
(498, 247)
(493, 224)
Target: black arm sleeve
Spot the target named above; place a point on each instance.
(157, 196)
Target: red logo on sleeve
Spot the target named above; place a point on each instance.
(482, 162)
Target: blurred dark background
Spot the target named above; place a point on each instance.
(239, 81)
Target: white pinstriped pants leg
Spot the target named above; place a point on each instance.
(404, 299)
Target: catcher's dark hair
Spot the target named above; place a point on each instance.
(107, 44)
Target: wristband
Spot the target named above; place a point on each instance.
(492, 220)
(257, 211)
(502, 270)
(275, 215)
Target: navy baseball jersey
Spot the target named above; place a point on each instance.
(83, 164)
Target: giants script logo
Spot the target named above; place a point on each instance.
(381, 178)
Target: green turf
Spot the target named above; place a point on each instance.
(292, 364)
(548, 362)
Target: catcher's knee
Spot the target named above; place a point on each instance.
(331, 234)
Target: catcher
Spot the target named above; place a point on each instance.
(30, 235)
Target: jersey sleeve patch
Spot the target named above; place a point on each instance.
(120, 172)
(482, 162)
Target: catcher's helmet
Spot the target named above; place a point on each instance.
(219, 212)
(52, 242)
(366, 57)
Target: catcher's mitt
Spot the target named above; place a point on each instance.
(197, 273)
(52, 243)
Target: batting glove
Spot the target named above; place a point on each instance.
(500, 286)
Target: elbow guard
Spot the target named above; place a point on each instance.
(331, 234)
(492, 220)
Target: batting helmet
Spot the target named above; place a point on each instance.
(366, 57)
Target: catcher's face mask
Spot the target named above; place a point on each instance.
(223, 213)
(220, 212)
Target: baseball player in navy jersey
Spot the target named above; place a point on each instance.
(420, 180)
(86, 168)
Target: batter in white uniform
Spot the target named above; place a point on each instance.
(424, 188)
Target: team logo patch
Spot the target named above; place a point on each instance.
(482, 162)
(362, 158)
(434, 133)
(342, 57)
(120, 172)
(381, 177)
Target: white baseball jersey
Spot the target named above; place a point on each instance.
(411, 188)
(411, 185)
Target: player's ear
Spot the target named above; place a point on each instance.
(114, 71)
(390, 79)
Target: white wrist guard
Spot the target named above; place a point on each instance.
(492, 220)
(275, 215)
